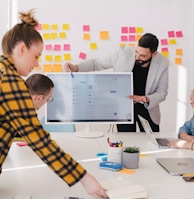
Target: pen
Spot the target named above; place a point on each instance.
(71, 74)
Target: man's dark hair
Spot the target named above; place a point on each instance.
(39, 84)
(150, 41)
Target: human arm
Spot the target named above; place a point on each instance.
(182, 144)
(186, 132)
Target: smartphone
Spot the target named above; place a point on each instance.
(188, 178)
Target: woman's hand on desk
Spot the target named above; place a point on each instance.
(92, 187)
(182, 144)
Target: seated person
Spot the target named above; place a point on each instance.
(41, 89)
(186, 132)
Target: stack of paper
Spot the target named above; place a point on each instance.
(122, 189)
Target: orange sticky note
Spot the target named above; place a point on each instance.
(86, 36)
(179, 52)
(126, 171)
(104, 35)
(47, 68)
(178, 60)
(57, 68)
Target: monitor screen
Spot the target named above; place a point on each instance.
(91, 97)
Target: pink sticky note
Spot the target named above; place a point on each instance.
(82, 55)
(171, 34)
(179, 34)
(124, 38)
(132, 38)
(164, 41)
(48, 47)
(164, 49)
(124, 29)
(86, 28)
(66, 47)
(132, 29)
(39, 27)
(57, 47)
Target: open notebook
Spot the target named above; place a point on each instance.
(159, 142)
(118, 188)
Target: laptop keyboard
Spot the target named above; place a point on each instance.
(162, 141)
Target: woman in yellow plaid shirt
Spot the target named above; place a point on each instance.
(22, 46)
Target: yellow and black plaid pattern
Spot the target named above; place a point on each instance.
(17, 115)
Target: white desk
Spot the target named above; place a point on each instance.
(24, 172)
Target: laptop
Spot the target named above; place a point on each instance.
(177, 166)
(159, 142)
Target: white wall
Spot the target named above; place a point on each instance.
(157, 17)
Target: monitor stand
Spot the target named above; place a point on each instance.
(88, 133)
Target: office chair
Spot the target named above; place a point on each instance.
(57, 127)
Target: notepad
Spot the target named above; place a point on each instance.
(122, 189)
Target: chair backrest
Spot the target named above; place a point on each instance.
(57, 127)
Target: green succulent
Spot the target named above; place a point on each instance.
(131, 149)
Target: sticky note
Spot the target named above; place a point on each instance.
(62, 35)
(67, 57)
(165, 54)
(54, 27)
(53, 35)
(86, 28)
(48, 47)
(164, 41)
(172, 41)
(124, 38)
(93, 46)
(45, 26)
(132, 29)
(82, 55)
(65, 27)
(47, 68)
(178, 61)
(124, 29)
(48, 57)
(138, 37)
(164, 49)
(139, 30)
(57, 47)
(179, 33)
(39, 27)
(171, 34)
(122, 44)
(179, 52)
(126, 171)
(132, 38)
(57, 58)
(86, 36)
(57, 68)
(46, 36)
(66, 47)
(104, 35)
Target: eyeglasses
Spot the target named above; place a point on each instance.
(50, 99)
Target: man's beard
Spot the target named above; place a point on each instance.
(141, 63)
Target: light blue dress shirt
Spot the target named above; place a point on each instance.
(188, 127)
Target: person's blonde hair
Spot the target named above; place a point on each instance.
(22, 32)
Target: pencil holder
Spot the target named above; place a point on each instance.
(114, 154)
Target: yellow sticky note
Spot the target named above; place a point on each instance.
(179, 52)
(48, 57)
(47, 68)
(178, 61)
(139, 30)
(65, 27)
(57, 68)
(93, 46)
(172, 41)
(86, 36)
(54, 27)
(67, 57)
(165, 54)
(62, 35)
(46, 36)
(57, 58)
(122, 44)
(104, 35)
(45, 26)
(53, 35)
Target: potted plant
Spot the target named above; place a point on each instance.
(131, 157)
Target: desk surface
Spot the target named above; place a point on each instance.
(24, 172)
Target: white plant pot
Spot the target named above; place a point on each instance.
(130, 160)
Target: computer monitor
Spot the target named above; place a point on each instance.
(92, 97)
